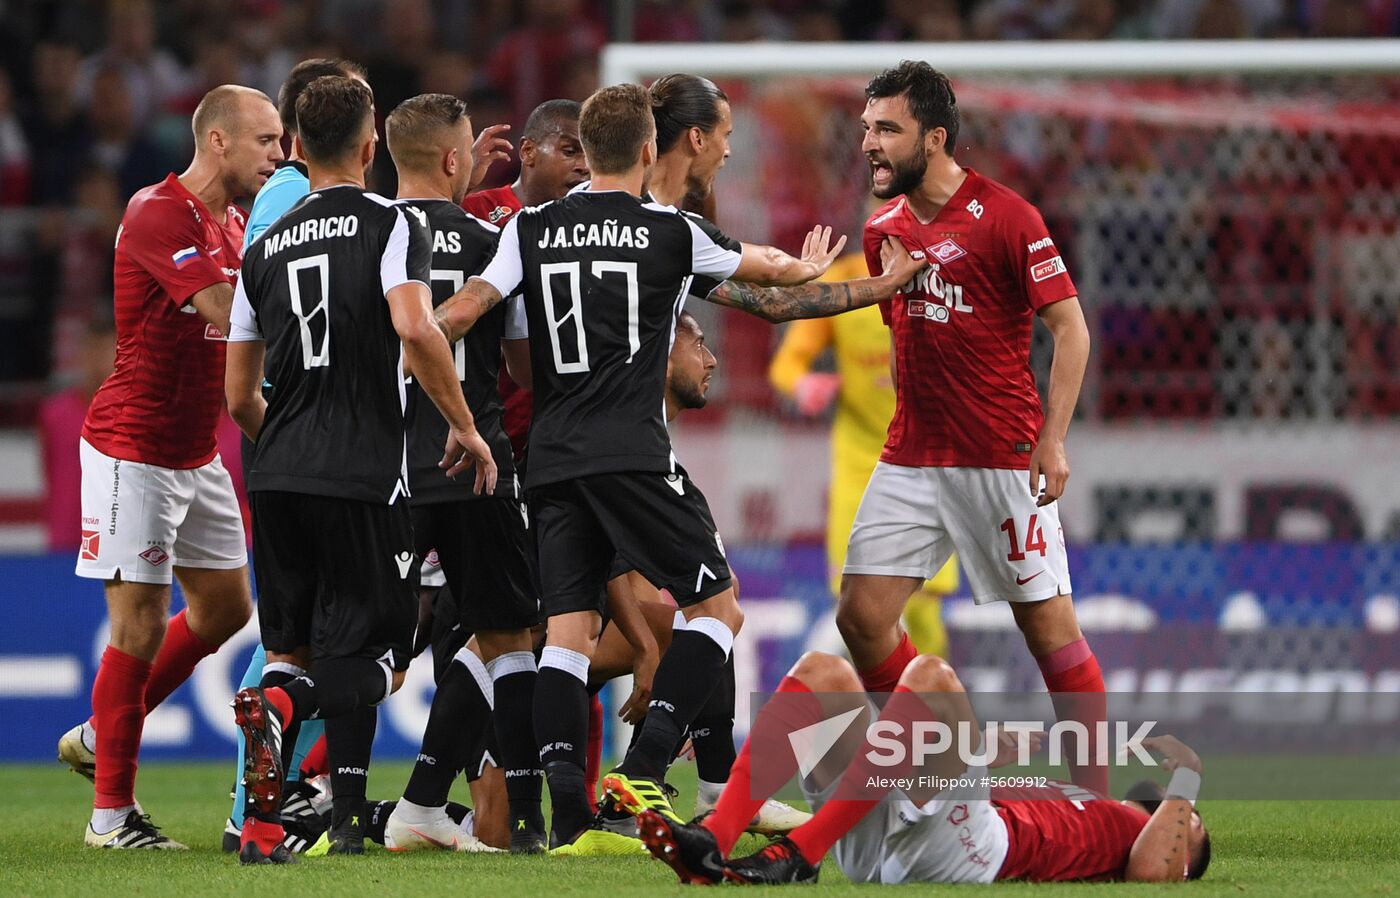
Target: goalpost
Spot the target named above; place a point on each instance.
(1230, 212)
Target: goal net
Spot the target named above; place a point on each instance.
(1231, 216)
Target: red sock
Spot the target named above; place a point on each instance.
(1076, 685)
(178, 655)
(854, 798)
(742, 797)
(883, 676)
(267, 835)
(119, 711)
(594, 762)
(281, 701)
(314, 764)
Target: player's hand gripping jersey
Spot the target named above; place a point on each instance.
(962, 328)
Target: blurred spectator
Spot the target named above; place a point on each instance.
(152, 74)
(816, 23)
(60, 425)
(525, 65)
(259, 36)
(1218, 19)
(56, 127)
(1021, 20)
(906, 18)
(119, 145)
(407, 27)
(741, 21)
(1091, 20)
(448, 72)
(82, 243)
(14, 150)
(657, 20)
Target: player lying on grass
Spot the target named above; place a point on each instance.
(1056, 833)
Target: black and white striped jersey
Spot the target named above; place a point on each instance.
(462, 245)
(603, 275)
(313, 288)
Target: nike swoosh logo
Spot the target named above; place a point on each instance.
(216, 250)
(1020, 581)
(430, 840)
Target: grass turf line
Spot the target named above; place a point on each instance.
(1260, 848)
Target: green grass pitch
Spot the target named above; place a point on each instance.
(1264, 849)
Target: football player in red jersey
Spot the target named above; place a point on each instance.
(551, 164)
(156, 498)
(1058, 832)
(972, 463)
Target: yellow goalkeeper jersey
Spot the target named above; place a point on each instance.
(860, 343)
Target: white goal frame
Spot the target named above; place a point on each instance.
(635, 62)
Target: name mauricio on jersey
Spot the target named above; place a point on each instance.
(309, 230)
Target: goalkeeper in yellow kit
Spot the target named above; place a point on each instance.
(864, 397)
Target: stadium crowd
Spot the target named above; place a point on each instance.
(76, 142)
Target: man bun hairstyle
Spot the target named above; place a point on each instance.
(928, 92)
(303, 73)
(613, 126)
(680, 102)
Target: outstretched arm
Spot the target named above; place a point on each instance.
(770, 266)
(1162, 851)
(819, 300)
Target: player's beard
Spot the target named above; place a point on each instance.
(689, 396)
(905, 175)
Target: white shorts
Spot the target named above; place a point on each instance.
(139, 520)
(912, 519)
(947, 840)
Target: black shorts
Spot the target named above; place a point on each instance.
(484, 548)
(337, 575)
(659, 524)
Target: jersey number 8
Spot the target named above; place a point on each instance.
(311, 356)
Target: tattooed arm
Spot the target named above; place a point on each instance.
(465, 308)
(819, 300)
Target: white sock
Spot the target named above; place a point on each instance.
(88, 736)
(409, 812)
(104, 820)
(709, 792)
(468, 824)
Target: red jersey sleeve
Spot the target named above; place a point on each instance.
(167, 241)
(870, 242)
(1035, 259)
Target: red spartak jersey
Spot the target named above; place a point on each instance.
(1063, 832)
(962, 330)
(498, 206)
(161, 404)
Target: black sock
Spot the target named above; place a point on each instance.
(712, 730)
(519, 753)
(290, 728)
(375, 816)
(561, 726)
(302, 693)
(457, 724)
(689, 672)
(349, 738)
